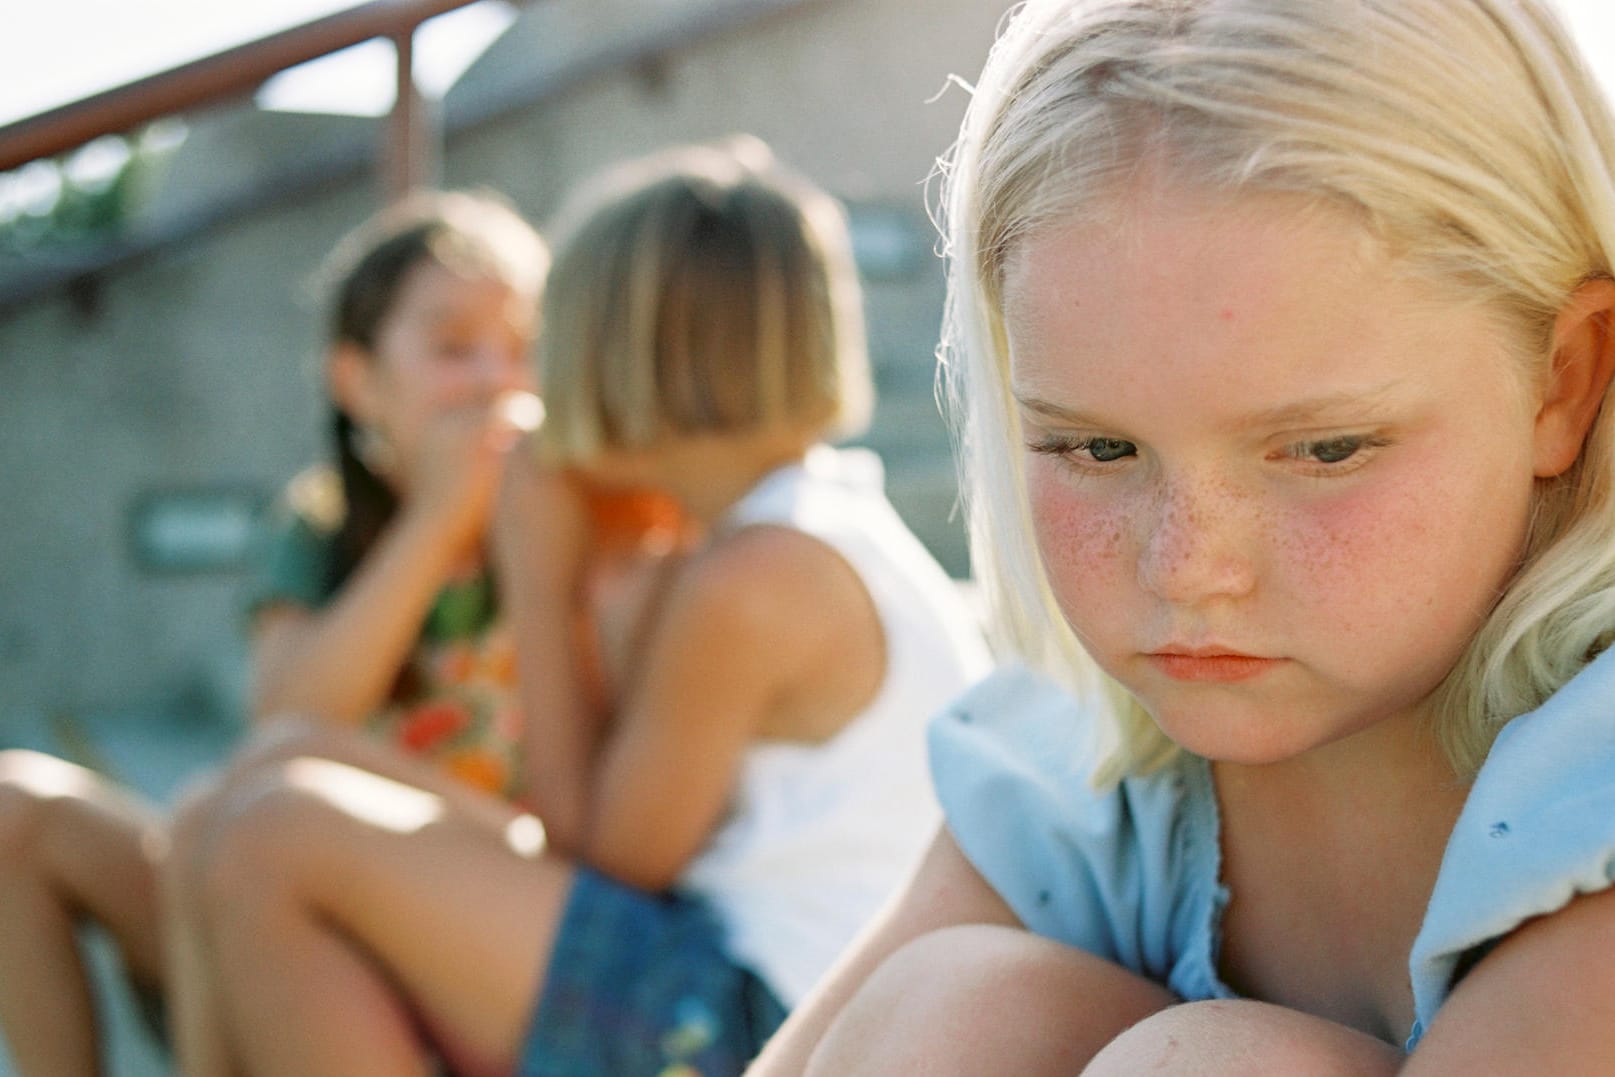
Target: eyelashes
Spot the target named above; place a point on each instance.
(1098, 450)
(1336, 455)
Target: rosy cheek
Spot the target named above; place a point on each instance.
(1082, 538)
(1356, 555)
(1325, 542)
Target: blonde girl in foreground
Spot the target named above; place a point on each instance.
(1282, 343)
(699, 853)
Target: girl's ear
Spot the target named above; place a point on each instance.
(348, 380)
(1583, 361)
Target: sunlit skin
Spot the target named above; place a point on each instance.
(451, 343)
(1277, 483)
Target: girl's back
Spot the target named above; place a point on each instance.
(798, 824)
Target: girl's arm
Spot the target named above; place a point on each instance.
(1539, 1003)
(750, 633)
(541, 535)
(339, 662)
(1542, 1002)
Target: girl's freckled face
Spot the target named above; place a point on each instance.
(1276, 484)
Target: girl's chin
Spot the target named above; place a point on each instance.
(1225, 735)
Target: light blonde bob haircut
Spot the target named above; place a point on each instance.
(1466, 135)
(701, 291)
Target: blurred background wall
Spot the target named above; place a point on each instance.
(156, 403)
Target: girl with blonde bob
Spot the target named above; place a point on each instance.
(1280, 338)
(699, 849)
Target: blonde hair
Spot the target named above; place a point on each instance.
(702, 290)
(1467, 136)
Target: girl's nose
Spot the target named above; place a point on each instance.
(494, 369)
(1196, 546)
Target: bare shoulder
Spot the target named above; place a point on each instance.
(774, 580)
(783, 554)
(1540, 1002)
(785, 623)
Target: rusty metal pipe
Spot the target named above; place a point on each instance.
(414, 143)
(234, 72)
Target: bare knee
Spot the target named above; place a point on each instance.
(927, 984)
(948, 972)
(978, 998)
(39, 797)
(245, 842)
(227, 801)
(22, 815)
(192, 823)
(201, 810)
(1225, 1037)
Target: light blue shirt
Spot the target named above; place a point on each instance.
(1134, 875)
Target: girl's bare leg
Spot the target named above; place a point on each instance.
(200, 1047)
(72, 847)
(349, 919)
(984, 999)
(1232, 1038)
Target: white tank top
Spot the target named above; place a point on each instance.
(817, 836)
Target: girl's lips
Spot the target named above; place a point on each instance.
(1211, 668)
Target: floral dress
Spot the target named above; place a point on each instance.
(454, 702)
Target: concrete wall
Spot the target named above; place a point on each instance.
(190, 370)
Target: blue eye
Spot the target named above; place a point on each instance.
(1085, 450)
(1333, 451)
(1327, 455)
(1107, 449)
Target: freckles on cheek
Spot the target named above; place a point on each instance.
(1081, 542)
(1365, 558)
(1327, 546)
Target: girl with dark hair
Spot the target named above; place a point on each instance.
(374, 609)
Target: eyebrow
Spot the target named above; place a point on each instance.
(1049, 410)
(1335, 406)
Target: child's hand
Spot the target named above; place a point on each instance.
(461, 459)
(542, 528)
